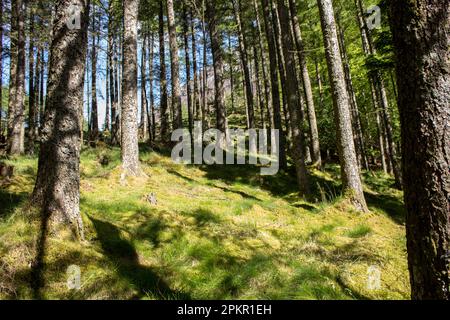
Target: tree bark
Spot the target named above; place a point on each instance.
(144, 103)
(175, 68)
(152, 122)
(188, 69)
(129, 127)
(94, 107)
(266, 80)
(57, 188)
(351, 179)
(421, 34)
(306, 81)
(218, 60)
(356, 120)
(245, 65)
(16, 108)
(275, 85)
(293, 98)
(31, 91)
(163, 105)
(195, 93)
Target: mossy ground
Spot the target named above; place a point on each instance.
(216, 233)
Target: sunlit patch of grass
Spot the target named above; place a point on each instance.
(215, 233)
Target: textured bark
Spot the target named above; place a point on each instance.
(307, 88)
(129, 126)
(421, 31)
(275, 85)
(218, 60)
(356, 120)
(57, 188)
(245, 64)
(16, 108)
(349, 166)
(175, 68)
(163, 105)
(293, 98)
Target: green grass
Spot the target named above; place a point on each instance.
(217, 232)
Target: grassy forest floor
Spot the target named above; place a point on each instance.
(216, 233)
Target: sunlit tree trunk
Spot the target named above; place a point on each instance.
(57, 188)
(349, 165)
(129, 126)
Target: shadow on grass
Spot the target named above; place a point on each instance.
(190, 180)
(124, 255)
(393, 207)
(10, 201)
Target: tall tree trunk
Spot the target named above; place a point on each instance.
(144, 102)
(293, 98)
(152, 122)
(245, 65)
(356, 120)
(129, 127)
(42, 98)
(31, 91)
(421, 33)
(230, 63)
(205, 107)
(216, 46)
(57, 188)
(16, 112)
(36, 85)
(258, 87)
(94, 107)
(351, 179)
(306, 81)
(188, 69)
(266, 80)
(275, 85)
(112, 72)
(195, 93)
(174, 68)
(163, 107)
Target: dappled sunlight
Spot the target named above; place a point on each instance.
(209, 235)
